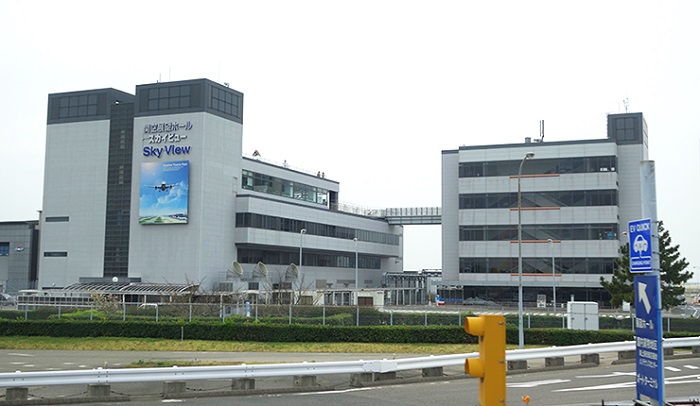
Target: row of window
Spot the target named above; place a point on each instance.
(282, 187)
(265, 222)
(539, 166)
(225, 102)
(590, 266)
(559, 198)
(253, 256)
(84, 105)
(539, 232)
(173, 97)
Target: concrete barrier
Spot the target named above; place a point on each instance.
(304, 381)
(554, 362)
(16, 394)
(359, 380)
(517, 365)
(432, 372)
(242, 384)
(99, 390)
(590, 359)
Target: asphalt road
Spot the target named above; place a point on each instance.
(615, 384)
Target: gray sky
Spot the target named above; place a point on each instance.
(371, 92)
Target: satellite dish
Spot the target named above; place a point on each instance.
(237, 268)
(294, 269)
(262, 268)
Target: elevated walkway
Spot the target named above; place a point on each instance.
(413, 215)
(396, 216)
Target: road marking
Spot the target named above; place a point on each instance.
(537, 383)
(691, 367)
(16, 354)
(612, 375)
(599, 387)
(672, 369)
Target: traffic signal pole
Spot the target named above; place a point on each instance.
(490, 367)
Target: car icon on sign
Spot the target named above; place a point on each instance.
(640, 244)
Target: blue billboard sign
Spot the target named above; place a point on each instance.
(649, 337)
(640, 246)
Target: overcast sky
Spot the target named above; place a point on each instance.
(371, 92)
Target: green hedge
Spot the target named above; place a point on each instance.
(263, 332)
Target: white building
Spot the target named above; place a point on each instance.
(154, 188)
(577, 194)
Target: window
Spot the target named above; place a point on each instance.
(4, 249)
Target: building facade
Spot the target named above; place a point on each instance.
(153, 187)
(576, 198)
(18, 260)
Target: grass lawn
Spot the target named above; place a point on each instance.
(139, 344)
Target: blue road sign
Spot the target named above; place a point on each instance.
(640, 246)
(649, 336)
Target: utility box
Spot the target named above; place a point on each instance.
(582, 315)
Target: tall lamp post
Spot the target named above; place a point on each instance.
(301, 244)
(554, 278)
(357, 301)
(521, 336)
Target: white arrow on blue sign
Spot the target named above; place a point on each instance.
(640, 245)
(649, 337)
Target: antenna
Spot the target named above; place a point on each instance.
(541, 130)
(626, 102)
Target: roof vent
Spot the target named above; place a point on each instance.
(528, 140)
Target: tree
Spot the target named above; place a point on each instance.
(673, 274)
(621, 285)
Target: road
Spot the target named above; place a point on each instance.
(572, 386)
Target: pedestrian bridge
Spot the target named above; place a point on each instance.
(413, 215)
(397, 216)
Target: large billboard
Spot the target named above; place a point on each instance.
(163, 195)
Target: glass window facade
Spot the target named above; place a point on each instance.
(172, 97)
(329, 260)
(539, 232)
(121, 135)
(539, 166)
(595, 266)
(558, 198)
(225, 101)
(281, 187)
(262, 221)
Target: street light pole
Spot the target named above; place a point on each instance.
(301, 243)
(521, 336)
(357, 301)
(554, 278)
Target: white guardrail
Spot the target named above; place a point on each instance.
(127, 375)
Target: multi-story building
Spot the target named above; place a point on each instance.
(153, 187)
(18, 261)
(576, 198)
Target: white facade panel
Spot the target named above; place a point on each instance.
(564, 215)
(75, 186)
(450, 215)
(195, 252)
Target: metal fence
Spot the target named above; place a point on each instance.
(323, 315)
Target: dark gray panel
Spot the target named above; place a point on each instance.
(189, 96)
(88, 105)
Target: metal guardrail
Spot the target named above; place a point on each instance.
(108, 376)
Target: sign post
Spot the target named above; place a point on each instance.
(649, 337)
(647, 324)
(640, 246)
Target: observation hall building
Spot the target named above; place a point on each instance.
(153, 187)
(576, 199)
